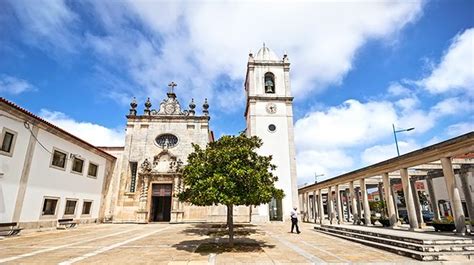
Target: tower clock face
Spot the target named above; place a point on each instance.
(271, 108)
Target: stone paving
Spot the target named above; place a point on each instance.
(186, 244)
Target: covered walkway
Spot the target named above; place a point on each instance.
(324, 202)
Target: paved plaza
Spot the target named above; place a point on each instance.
(185, 244)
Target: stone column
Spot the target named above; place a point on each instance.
(330, 205)
(340, 219)
(346, 195)
(416, 200)
(454, 197)
(365, 201)
(315, 209)
(389, 200)
(359, 207)
(468, 173)
(321, 206)
(433, 200)
(379, 188)
(300, 199)
(354, 207)
(395, 198)
(410, 205)
(305, 206)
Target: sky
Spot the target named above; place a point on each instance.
(357, 67)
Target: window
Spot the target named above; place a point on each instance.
(77, 165)
(70, 207)
(49, 206)
(269, 83)
(92, 171)
(166, 140)
(8, 142)
(86, 207)
(59, 159)
(133, 169)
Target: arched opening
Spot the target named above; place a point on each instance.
(269, 83)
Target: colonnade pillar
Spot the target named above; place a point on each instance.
(354, 207)
(330, 205)
(365, 201)
(389, 199)
(339, 205)
(433, 200)
(409, 198)
(453, 193)
(321, 206)
(349, 211)
(359, 207)
(467, 173)
(315, 209)
(416, 200)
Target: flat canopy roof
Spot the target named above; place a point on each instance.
(458, 146)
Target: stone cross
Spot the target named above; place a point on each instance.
(172, 85)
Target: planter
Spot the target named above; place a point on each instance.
(443, 227)
(385, 222)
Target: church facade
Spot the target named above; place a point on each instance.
(139, 182)
(158, 142)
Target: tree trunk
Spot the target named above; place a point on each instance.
(230, 224)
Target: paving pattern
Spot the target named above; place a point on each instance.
(182, 244)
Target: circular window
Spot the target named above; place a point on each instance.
(166, 140)
(272, 127)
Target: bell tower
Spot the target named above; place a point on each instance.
(269, 115)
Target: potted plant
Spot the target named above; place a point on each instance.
(445, 224)
(384, 221)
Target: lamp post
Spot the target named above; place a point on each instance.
(316, 177)
(395, 135)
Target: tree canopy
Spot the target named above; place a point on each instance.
(229, 172)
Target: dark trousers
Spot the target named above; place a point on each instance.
(294, 223)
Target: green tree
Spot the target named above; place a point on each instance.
(229, 172)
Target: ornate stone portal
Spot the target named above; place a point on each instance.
(165, 169)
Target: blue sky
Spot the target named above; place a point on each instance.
(356, 68)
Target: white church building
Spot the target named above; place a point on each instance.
(47, 174)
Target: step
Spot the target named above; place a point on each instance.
(404, 244)
(424, 256)
(434, 240)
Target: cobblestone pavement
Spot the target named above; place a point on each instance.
(186, 244)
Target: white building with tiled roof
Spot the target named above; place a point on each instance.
(46, 173)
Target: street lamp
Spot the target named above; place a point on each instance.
(316, 177)
(395, 135)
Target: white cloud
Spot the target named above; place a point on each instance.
(380, 153)
(194, 43)
(93, 133)
(327, 162)
(14, 86)
(350, 124)
(48, 24)
(455, 72)
(460, 128)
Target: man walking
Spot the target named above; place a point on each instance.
(294, 220)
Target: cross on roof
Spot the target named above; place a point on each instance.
(172, 85)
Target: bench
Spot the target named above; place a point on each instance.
(66, 223)
(9, 229)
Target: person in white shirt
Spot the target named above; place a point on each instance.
(294, 220)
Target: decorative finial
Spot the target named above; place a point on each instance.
(250, 54)
(285, 54)
(133, 107)
(205, 107)
(192, 106)
(147, 106)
